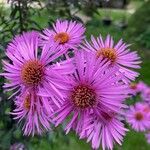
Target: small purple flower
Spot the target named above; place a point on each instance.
(134, 88)
(147, 135)
(34, 112)
(17, 146)
(68, 34)
(145, 94)
(141, 86)
(119, 55)
(138, 117)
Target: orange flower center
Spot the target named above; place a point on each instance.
(138, 116)
(108, 53)
(61, 37)
(32, 72)
(27, 102)
(83, 96)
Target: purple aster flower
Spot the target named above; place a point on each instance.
(137, 88)
(118, 54)
(27, 69)
(134, 88)
(141, 86)
(105, 130)
(34, 112)
(145, 94)
(17, 146)
(147, 135)
(68, 34)
(90, 89)
(138, 117)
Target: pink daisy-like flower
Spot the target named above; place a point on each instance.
(141, 86)
(34, 112)
(118, 54)
(105, 130)
(138, 117)
(68, 34)
(137, 87)
(27, 69)
(90, 89)
(145, 94)
(134, 88)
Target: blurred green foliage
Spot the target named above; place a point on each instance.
(138, 30)
(140, 25)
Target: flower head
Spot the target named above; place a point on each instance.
(17, 146)
(141, 86)
(119, 55)
(134, 88)
(34, 112)
(29, 67)
(138, 117)
(147, 135)
(68, 34)
(105, 130)
(90, 89)
(145, 94)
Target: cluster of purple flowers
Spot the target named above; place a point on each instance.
(138, 115)
(86, 91)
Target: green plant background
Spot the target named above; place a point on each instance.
(137, 33)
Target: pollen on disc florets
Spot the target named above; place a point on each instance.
(83, 96)
(139, 116)
(108, 53)
(32, 72)
(27, 102)
(61, 37)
